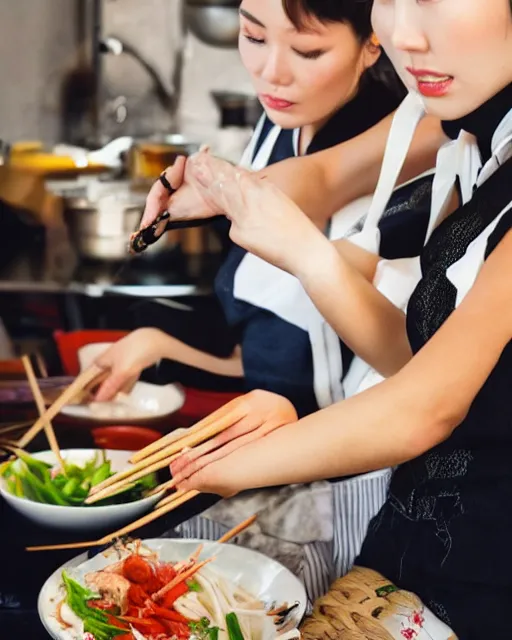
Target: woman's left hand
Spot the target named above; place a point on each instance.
(245, 420)
(264, 221)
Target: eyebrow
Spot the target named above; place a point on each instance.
(251, 18)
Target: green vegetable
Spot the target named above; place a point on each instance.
(203, 631)
(234, 630)
(95, 621)
(102, 473)
(32, 479)
(193, 585)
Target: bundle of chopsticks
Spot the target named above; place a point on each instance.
(152, 458)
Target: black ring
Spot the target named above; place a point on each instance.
(167, 184)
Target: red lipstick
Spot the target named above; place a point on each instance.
(431, 84)
(278, 104)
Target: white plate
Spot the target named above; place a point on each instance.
(265, 578)
(149, 402)
(84, 519)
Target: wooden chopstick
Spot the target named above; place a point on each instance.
(41, 364)
(38, 397)
(127, 478)
(82, 381)
(180, 434)
(238, 529)
(172, 496)
(154, 515)
(11, 428)
(163, 457)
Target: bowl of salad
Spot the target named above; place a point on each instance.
(52, 497)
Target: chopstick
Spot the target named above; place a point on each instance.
(154, 515)
(38, 397)
(41, 364)
(238, 529)
(203, 430)
(82, 381)
(127, 478)
(180, 434)
(11, 428)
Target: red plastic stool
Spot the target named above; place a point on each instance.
(68, 344)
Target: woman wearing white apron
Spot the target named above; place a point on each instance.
(443, 415)
(286, 346)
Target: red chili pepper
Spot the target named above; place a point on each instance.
(146, 626)
(177, 629)
(137, 595)
(167, 614)
(171, 596)
(136, 569)
(165, 572)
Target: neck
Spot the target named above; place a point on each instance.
(483, 121)
(308, 132)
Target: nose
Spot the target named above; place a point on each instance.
(407, 34)
(275, 70)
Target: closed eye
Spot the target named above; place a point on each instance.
(253, 40)
(310, 55)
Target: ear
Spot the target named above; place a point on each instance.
(371, 51)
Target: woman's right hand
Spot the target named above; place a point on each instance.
(126, 359)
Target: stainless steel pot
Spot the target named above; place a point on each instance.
(101, 217)
(89, 233)
(214, 22)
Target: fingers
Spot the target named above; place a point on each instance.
(158, 196)
(184, 479)
(239, 428)
(111, 386)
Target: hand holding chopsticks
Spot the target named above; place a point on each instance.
(239, 422)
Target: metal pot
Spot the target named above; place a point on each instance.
(101, 217)
(214, 22)
(89, 228)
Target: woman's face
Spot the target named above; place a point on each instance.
(301, 77)
(456, 53)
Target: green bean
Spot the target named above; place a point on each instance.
(101, 473)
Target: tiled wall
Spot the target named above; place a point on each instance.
(38, 46)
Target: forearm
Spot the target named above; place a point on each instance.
(363, 318)
(178, 351)
(369, 431)
(326, 181)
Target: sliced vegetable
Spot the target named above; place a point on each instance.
(233, 627)
(35, 480)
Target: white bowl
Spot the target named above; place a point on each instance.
(265, 578)
(81, 518)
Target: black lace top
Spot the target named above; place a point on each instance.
(444, 531)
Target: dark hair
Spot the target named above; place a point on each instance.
(357, 14)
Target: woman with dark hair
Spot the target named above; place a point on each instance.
(443, 414)
(322, 79)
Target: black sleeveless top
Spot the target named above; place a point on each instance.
(444, 532)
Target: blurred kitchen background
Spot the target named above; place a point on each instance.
(154, 78)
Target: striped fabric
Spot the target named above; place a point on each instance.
(355, 502)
